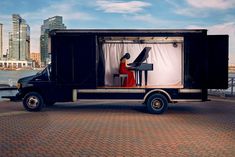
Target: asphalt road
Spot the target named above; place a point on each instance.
(98, 129)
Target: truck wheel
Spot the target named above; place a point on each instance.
(33, 101)
(157, 104)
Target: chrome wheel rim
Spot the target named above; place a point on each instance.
(157, 104)
(32, 102)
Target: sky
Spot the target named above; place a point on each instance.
(217, 16)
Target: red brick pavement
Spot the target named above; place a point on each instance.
(186, 129)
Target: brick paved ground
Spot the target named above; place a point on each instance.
(186, 129)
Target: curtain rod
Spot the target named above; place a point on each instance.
(123, 42)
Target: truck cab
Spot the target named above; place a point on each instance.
(33, 90)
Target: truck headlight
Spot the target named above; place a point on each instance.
(18, 85)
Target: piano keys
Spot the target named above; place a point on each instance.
(138, 73)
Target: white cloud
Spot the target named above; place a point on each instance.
(67, 9)
(153, 22)
(121, 6)
(191, 12)
(148, 18)
(180, 9)
(215, 4)
(222, 29)
(200, 8)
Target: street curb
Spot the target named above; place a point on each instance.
(223, 99)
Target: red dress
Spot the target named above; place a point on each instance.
(130, 81)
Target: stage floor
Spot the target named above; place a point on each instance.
(144, 87)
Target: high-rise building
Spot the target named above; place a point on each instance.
(36, 58)
(1, 42)
(19, 39)
(49, 24)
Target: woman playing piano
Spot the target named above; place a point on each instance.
(130, 80)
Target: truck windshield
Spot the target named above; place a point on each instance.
(45, 73)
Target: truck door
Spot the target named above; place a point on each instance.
(74, 60)
(217, 48)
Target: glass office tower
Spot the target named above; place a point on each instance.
(19, 39)
(1, 41)
(49, 24)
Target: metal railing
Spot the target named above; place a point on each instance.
(225, 92)
(231, 84)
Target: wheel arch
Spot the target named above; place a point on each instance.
(158, 91)
(32, 89)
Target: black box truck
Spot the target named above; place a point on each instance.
(177, 65)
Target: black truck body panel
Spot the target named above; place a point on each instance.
(73, 49)
(217, 48)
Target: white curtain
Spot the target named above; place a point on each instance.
(166, 60)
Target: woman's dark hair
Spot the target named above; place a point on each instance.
(127, 56)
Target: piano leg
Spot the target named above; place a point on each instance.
(146, 77)
(140, 78)
(136, 77)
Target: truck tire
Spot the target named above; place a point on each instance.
(157, 104)
(33, 101)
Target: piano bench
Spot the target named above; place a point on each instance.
(121, 76)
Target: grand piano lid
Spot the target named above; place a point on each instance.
(144, 54)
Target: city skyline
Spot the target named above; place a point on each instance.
(217, 16)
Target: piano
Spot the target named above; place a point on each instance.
(138, 66)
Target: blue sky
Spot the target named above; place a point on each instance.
(218, 16)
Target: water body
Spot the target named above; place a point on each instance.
(232, 75)
(11, 77)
